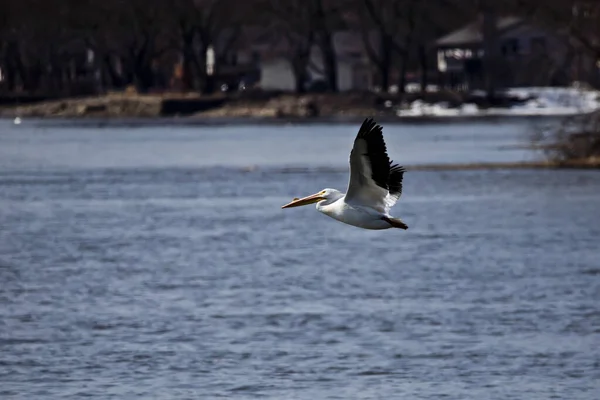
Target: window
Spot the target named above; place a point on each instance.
(459, 54)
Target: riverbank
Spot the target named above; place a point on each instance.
(259, 105)
(113, 106)
(588, 163)
(276, 105)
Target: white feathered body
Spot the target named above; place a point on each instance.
(353, 214)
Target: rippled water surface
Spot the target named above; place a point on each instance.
(156, 263)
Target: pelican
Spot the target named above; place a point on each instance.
(375, 185)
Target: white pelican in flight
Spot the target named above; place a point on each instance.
(374, 187)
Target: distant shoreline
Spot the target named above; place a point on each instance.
(572, 164)
(475, 166)
(254, 107)
(133, 121)
(132, 110)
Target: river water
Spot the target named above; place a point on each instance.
(154, 262)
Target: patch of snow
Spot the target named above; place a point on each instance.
(420, 108)
(470, 109)
(559, 101)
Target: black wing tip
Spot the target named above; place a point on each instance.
(397, 168)
(395, 179)
(369, 125)
(386, 175)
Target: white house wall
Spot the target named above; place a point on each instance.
(344, 73)
(276, 75)
(345, 76)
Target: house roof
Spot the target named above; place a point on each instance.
(472, 33)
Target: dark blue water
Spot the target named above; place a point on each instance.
(157, 264)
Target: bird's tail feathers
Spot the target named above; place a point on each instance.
(395, 222)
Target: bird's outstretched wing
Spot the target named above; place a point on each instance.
(374, 180)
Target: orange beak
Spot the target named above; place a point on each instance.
(313, 198)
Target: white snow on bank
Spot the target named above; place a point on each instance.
(559, 101)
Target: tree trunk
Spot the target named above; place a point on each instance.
(490, 43)
(385, 62)
(55, 82)
(190, 73)
(406, 51)
(34, 77)
(21, 69)
(327, 48)
(143, 75)
(300, 76)
(9, 77)
(329, 61)
(209, 85)
(188, 79)
(423, 64)
(403, 70)
(9, 69)
(115, 80)
(140, 78)
(299, 58)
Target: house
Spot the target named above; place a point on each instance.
(276, 73)
(353, 65)
(528, 55)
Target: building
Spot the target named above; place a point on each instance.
(528, 55)
(276, 73)
(261, 59)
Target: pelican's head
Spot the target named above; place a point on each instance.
(324, 195)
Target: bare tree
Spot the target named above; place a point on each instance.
(133, 33)
(202, 24)
(328, 18)
(7, 44)
(388, 28)
(293, 28)
(129, 39)
(490, 46)
(34, 46)
(578, 18)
